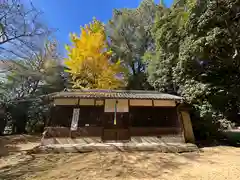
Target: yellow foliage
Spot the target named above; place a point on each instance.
(88, 60)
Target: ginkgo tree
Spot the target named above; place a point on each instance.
(88, 60)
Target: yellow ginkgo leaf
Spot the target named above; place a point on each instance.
(88, 60)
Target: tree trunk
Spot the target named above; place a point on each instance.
(3, 123)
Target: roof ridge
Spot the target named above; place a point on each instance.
(131, 94)
(116, 90)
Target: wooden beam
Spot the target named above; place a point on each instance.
(140, 102)
(86, 102)
(99, 102)
(164, 103)
(66, 101)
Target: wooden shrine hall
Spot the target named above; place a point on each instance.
(119, 115)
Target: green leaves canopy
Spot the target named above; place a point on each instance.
(197, 56)
(129, 33)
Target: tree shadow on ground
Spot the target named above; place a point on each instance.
(10, 144)
(141, 164)
(107, 165)
(224, 142)
(26, 168)
(15, 171)
(6, 148)
(21, 138)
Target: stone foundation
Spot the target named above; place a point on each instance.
(86, 135)
(129, 147)
(134, 139)
(57, 143)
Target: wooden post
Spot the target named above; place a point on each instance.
(187, 126)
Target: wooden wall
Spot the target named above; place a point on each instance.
(153, 131)
(160, 118)
(80, 132)
(61, 116)
(153, 117)
(98, 132)
(137, 116)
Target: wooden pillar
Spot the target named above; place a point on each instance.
(187, 127)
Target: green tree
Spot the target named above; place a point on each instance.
(197, 56)
(168, 32)
(129, 33)
(26, 81)
(208, 62)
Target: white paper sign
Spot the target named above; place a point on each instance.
(75, 118)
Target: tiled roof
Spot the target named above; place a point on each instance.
(116, 94)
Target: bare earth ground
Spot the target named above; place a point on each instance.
(213, 163)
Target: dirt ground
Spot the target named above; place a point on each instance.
(212, 163)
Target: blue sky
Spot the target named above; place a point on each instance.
(68, 15)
